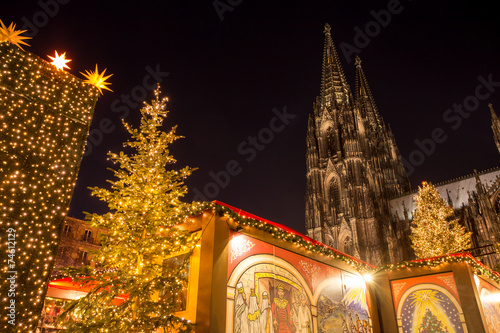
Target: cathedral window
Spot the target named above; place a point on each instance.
(334, 193)
(348, 247)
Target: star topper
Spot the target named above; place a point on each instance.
(11, 35)
(59, 61)
(97, 79)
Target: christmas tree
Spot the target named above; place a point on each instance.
(46, 114)
(433, 232)
(143, 231)
(430, 324)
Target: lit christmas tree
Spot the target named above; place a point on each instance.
(433, 232)
(143, 230)
(46, 115)
(430, 324)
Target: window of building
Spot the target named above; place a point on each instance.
(84, 256)
(87, 236)
(172, 264)
(67, 229)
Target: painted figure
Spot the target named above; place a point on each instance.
(266, 316)
(303, 316)
(240, 310)
(345, 328)
(352, 324)
(253, 313)
(282, 316)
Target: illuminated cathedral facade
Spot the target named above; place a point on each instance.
(358, 197)
(353, 167)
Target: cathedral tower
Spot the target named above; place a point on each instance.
(353, 167)
(495, 126)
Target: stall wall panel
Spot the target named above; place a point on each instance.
(270, 289)
(428, 303)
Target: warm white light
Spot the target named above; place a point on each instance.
(59, 61)
(368, 277)
(493, 298)
(356, 281)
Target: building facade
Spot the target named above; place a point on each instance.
(353, 167)
(78, 240)
(358, 197)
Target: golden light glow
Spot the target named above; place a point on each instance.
(59, 61)
(45, 119)
(11, 35)
(96, 79)
(433, 231)
(357, 292)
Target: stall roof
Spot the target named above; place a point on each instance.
(305, 238)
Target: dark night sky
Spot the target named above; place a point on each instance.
(225, 78)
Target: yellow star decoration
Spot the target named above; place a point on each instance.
(96, 79)
(59, 61)
(12, 35)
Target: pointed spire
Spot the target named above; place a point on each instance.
(495, 126)
(493, 114)
(363, 93)
(334, 85)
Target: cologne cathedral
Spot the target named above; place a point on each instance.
(358, 197)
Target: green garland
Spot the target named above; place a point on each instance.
(362, 268)
(464, 257)
(279, 233)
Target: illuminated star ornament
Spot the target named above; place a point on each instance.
(12, 35)
(59, 61)
(96, 79)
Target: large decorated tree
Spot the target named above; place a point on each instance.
(135, 288)
(434, 233)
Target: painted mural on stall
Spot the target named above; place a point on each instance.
(490, 300)
(428, 304)
(344, 308)
(274, 290)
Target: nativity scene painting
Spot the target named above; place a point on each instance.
(428, 304)
(273, 290)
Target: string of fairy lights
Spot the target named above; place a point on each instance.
(45, 114)
(362, 268)
(281, 234)
(463, 257)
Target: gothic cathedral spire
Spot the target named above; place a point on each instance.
(334, 87)
(495, 126)
(353, 167)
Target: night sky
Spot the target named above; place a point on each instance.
(225, 77)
